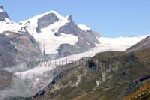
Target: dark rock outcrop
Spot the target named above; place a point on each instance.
(46, 21)
(86, 40)
(3, 14)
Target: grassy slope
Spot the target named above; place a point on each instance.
(137, 66)
(130, 67)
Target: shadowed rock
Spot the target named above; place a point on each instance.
(46, 21)
(16, 48)
(5, 79)
(3, 14)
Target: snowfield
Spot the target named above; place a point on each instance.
(1, 10)
(4, 26)
(50, 43)
(119, 43)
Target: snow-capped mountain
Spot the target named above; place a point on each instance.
(6, 24)
(3, 15)
(55, 35)
(60, 36)
(52, 35)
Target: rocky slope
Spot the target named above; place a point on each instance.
(145, 43)
(5, 79)
(3, 15)
(16, 48)
(107, 76)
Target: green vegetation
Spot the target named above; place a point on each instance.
(121, 69)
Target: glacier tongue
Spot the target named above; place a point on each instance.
(120, 43)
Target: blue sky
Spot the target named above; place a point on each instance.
(111, 18)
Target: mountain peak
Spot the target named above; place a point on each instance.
(1, 8)
(59, 16)
(69, 17)
(3, 15)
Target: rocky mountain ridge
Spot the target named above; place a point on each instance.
(58, 36)
(143, 44)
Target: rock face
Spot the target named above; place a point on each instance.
(45, 21)
(16, 44)
(5, 79)
(6, 49)
(143, 44)
(86, 40)
(16, 48)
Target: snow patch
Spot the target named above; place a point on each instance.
(49, 43)
(120, 43)
(5, 26)
(84, 27)
(1, 10)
